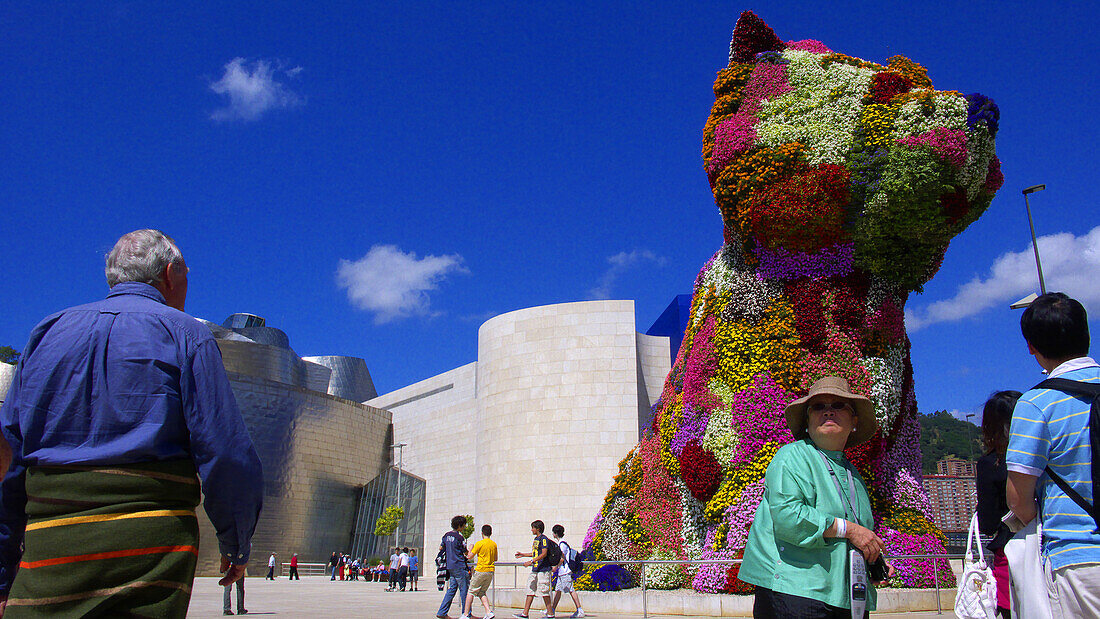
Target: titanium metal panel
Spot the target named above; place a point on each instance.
(350, 377)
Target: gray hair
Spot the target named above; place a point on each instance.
(141, 256)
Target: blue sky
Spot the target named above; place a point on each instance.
(377, 179)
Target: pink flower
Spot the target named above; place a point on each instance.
(948, 144)
(809, 45)
(733, 136)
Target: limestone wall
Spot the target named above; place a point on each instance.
(537, 425)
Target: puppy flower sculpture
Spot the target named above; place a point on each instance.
(840, 182)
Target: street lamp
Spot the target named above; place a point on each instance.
(970, 434)
(400, 454)
(1035, 243)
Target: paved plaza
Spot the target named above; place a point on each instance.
(319, 597)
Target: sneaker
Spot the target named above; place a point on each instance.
(464, 617)
(227, 612)
(491, 615)
(242, 611)
(519, 616)
(577, 613)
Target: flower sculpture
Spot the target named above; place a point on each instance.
(840, 182)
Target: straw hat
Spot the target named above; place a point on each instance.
(866, 424)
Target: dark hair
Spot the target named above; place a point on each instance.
(405, 549)
(539, 526)
(413, 551)
(1056, 326)
(458, 522)
(486, 530)
(996, 417)
(558, 530)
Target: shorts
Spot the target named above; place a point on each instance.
(539, 583)
(479, 584)
(564, 584)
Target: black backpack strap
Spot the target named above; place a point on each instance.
(1072, 387)
(1077, 498)
(1092, 391)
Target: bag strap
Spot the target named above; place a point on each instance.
(1092, 390)
(970, 542)
(1070, 386)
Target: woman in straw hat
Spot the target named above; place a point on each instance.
(815, 504)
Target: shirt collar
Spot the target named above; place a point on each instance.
(138, 288)
(1079, 363)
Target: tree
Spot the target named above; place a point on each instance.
(942, 435)
(469, 530)
(9, 355)
(388, 521)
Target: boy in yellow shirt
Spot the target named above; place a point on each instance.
(486, 552)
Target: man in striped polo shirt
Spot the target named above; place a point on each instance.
(1050, 429)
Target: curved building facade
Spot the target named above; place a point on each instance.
(349, 377)
(534, 428)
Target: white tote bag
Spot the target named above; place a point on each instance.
(977, 596)
(1030, 581)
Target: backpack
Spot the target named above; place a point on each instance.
(1090, 391)
(573, 559)
(553, 553)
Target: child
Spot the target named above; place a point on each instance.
(565, 575)
(486, 552)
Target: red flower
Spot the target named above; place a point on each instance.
(700, 470)
(752, 36)
(735, 584)
(886, 85)
(803, 211)
(955, 205)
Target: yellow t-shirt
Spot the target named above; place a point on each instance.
(486, 551)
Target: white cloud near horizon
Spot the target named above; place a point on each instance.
(252, 89)
(1071, 264)
(619, 264)
(393, 284)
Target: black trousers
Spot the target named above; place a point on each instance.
(402, 576)
(774, 605)
(294, 573)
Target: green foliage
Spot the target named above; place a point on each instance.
(9, 355)
(904, 231)
(469, 529)
(388, 521)
(942, 435)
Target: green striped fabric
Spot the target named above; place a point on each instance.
(108, 541)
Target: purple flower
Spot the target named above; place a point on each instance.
(781, 263)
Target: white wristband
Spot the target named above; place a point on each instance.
(841, 527)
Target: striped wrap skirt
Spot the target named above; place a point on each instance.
(108, 541)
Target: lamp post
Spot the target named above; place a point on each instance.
(970, 434)
(400, 454)
(1034, 242)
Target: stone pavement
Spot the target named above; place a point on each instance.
(316, 596)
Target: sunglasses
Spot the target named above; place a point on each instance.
(818, 407)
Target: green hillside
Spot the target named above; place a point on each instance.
(943, 435)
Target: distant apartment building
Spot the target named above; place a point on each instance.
(953, 493)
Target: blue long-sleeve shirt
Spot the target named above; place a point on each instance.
(124, 380)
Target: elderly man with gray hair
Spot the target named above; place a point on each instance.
(117, 410)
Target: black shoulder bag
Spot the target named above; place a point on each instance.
(1092, 392)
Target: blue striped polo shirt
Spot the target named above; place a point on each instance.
(1050, 427)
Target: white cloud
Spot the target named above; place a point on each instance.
(1071, 264)
(393, 284)
(618, 264)
(252, 90)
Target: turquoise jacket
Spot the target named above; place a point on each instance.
(787, 551)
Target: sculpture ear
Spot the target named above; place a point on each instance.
(752, 36)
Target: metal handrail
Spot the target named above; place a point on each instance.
(644, 562)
